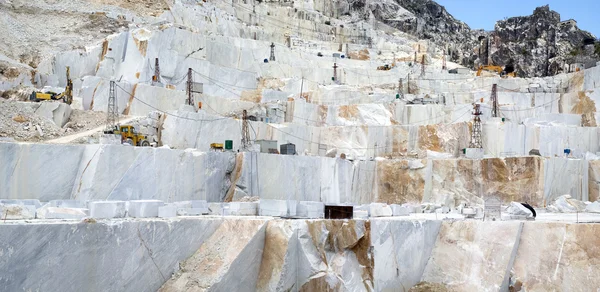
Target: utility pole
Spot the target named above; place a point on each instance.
(476, 132)
(272, 57)
(415, 57)
(400, 89)
(408, 83)
(112, 114)
(423, 66)
(370, 40)
(302, 87)
(347, 49)
(245, 132)
(190, 82)
(335, 66)
(156, 77)
(494, 98)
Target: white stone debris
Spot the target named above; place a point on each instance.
(566, 204)
(593, 207)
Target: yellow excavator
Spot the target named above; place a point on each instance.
(66, 96)
(129, 135)
(496, 69)
(387, 67)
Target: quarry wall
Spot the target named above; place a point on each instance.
(114, 172)
(303, 254)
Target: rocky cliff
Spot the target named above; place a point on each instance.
(537, 45)
(541, 44)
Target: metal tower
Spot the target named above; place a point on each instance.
(272, 57)
(494, 99)
(112, 114)
(156, 77)
(190, 82)
(245, 132)
(476, 131)
(335, 66)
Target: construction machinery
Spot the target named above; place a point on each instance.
(502, 72)
(66, 96)
(129, 135)
(217, 146)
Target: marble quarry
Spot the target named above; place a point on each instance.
(388, 147)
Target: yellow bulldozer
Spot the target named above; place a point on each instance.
(66, 96)
(129, 135)
(496, 69)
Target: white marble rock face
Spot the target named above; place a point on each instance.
(108, 256)
(474, 255)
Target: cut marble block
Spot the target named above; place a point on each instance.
(108, 209)
(191, 211)
(442, 210)
(32, 202)
(215, 209)
(474, 255)
(398, 210)
(364, 207)
(167, 211)
(47, 212)
(229, 260)
(67, 204)
(380, 210)
(277, 208)
(192, 208)
(16, 212)
(309, 209)
(144, 208)
(240, 209)
(360, 214)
